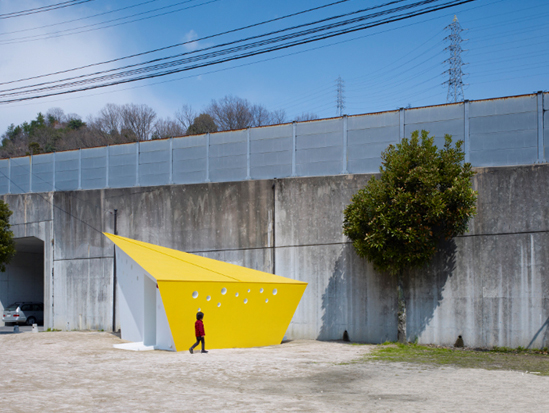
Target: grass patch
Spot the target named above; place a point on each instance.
(532, 361)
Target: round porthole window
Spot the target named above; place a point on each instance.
(275, 291)
(208, 298)
(223, 291)
(245, 301)
(261, 290)
(195, 294)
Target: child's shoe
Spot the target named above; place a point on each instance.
(204, 351)
(191, 350)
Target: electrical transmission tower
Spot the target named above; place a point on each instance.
(340, 98)
(455, 78)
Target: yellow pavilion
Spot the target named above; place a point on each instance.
(160, 290)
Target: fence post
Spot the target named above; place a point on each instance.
(171, 161)
(208, 157)
(294, 138)
(466, 142)
(137, 164)
(9, 175)
(402, 120)
(345, 144)
(30, 173)
(107, 165)
(248, 154)
(79, 168)
(53, 178)
(541, 149)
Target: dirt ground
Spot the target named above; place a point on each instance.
(82, 372)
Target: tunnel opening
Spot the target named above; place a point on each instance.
(23, 282)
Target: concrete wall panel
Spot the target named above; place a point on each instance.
(324, 199)
(343, 294)
(83, 294)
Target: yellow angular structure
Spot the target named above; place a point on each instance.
(160, 290)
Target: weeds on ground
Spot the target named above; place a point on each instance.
(499, 358)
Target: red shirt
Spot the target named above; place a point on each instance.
(199, 328)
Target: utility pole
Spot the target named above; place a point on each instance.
(340, 98)
(455, 72)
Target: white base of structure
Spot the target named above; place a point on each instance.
(134, 346)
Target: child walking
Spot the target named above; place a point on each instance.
(199, 332)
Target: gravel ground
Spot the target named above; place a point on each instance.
(82, 372)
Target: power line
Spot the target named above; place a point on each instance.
(43, 9)
(316, 35)
(178, 44)
(79, 19)
(61, 33)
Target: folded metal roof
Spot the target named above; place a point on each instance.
(166, 264)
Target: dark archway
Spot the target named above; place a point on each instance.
(23, 280)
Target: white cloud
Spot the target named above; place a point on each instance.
(190, 35)
(22, 60)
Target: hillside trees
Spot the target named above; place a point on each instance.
(423, 196)
(231, 112)
(116, 124)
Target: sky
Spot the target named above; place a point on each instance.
(395, 65)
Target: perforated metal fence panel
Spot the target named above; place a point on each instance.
(368, 136)
(438, 121)
(228, 156)
(94, 168)
(271, 152)
(42, 172)
(4, 176)
(505, 131)
(123, 165)
(154, 163)
(319, 148)
(189, 160)
(20, 175)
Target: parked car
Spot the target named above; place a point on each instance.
(24, 313)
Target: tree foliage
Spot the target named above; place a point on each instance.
(116, 124)
(423, 195)
(7, 244)
(232, 112)
(203, 123)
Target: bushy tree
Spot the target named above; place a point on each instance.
(7, 244)
(423, 196)
(203, 123)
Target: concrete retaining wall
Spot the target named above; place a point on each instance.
(490, 285)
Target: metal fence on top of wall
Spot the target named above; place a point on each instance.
(496, 132)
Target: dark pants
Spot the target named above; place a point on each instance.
(198, 340)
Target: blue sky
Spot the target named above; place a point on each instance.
(384, 68)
